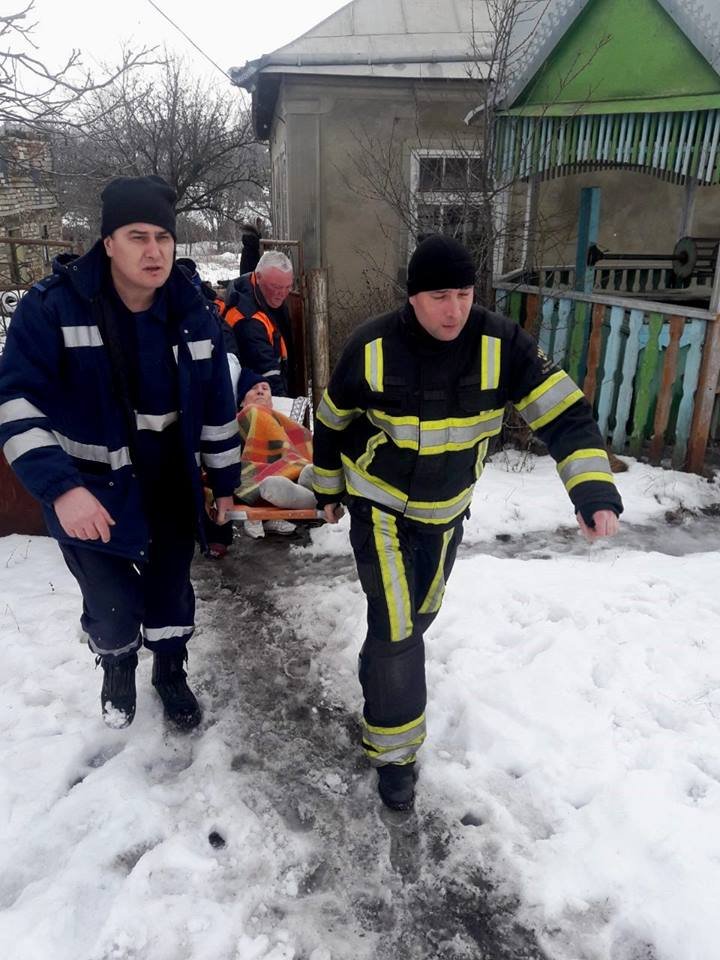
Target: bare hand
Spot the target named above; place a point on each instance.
(81, 515)
(333, 512)
(222, 505)
(606, 522)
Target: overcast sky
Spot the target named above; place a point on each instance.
(230, 32)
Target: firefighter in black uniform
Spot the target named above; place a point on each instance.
(400, 436)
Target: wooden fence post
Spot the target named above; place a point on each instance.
(705, 397)
(664, 400)
(319, 332)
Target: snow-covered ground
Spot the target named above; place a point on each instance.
(574, 704)
(216, 267)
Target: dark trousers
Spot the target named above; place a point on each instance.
(403, 571)
(125, 605)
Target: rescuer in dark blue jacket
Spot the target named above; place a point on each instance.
(114, 389)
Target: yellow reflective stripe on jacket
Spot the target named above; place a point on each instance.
(374, 365)
(583, 465)
(441, 511)
(333, 417)
(360, 483)
(458, 433)
(480, 459)
(436, 590)
(394, 578)
(489, 363)
(393, 744)
(403, 431)
(375, 441)
(549, 400)
(328, 481)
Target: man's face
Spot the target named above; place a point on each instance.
(443, 313)
(260, 394)
(275, 285)
(141, 255)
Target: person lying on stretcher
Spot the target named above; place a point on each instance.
(276, 461)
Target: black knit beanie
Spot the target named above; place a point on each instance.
(138, 200)
(440, 263)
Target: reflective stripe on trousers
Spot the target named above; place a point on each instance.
(403, 570)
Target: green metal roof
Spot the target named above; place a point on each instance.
(621, 56)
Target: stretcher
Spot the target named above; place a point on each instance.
(243, 512)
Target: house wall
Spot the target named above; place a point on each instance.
(341, 139)
(639, 213)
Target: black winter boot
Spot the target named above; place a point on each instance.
(168, 677)
(118, 690)
(396, 785)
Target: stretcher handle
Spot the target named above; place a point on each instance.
(242, 512)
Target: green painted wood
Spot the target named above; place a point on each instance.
(515, 306)
(691, 374)
(611, 370)
(625, 391)
(643, 391)
(578, 341)
(631, 51)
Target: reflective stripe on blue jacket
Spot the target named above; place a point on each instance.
(61, 425)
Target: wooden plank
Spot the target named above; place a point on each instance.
(646, 373)
(593, 352)
(704, 398)
(532, 304)
(664, 400)
(562, 331)
(546, 325)
(588, 231)
(625, 394)
(610, 301)
(610, 375)
(696, 336)
(577, 338)
(515, 308)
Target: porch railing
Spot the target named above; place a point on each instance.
(642, 279)
(649, 369)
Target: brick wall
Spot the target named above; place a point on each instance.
(28, 207)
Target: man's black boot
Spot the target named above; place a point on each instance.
(118, 690)
(169, 679)
(396, 785)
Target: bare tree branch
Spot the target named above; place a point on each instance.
(197, 136)
(41, 98)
